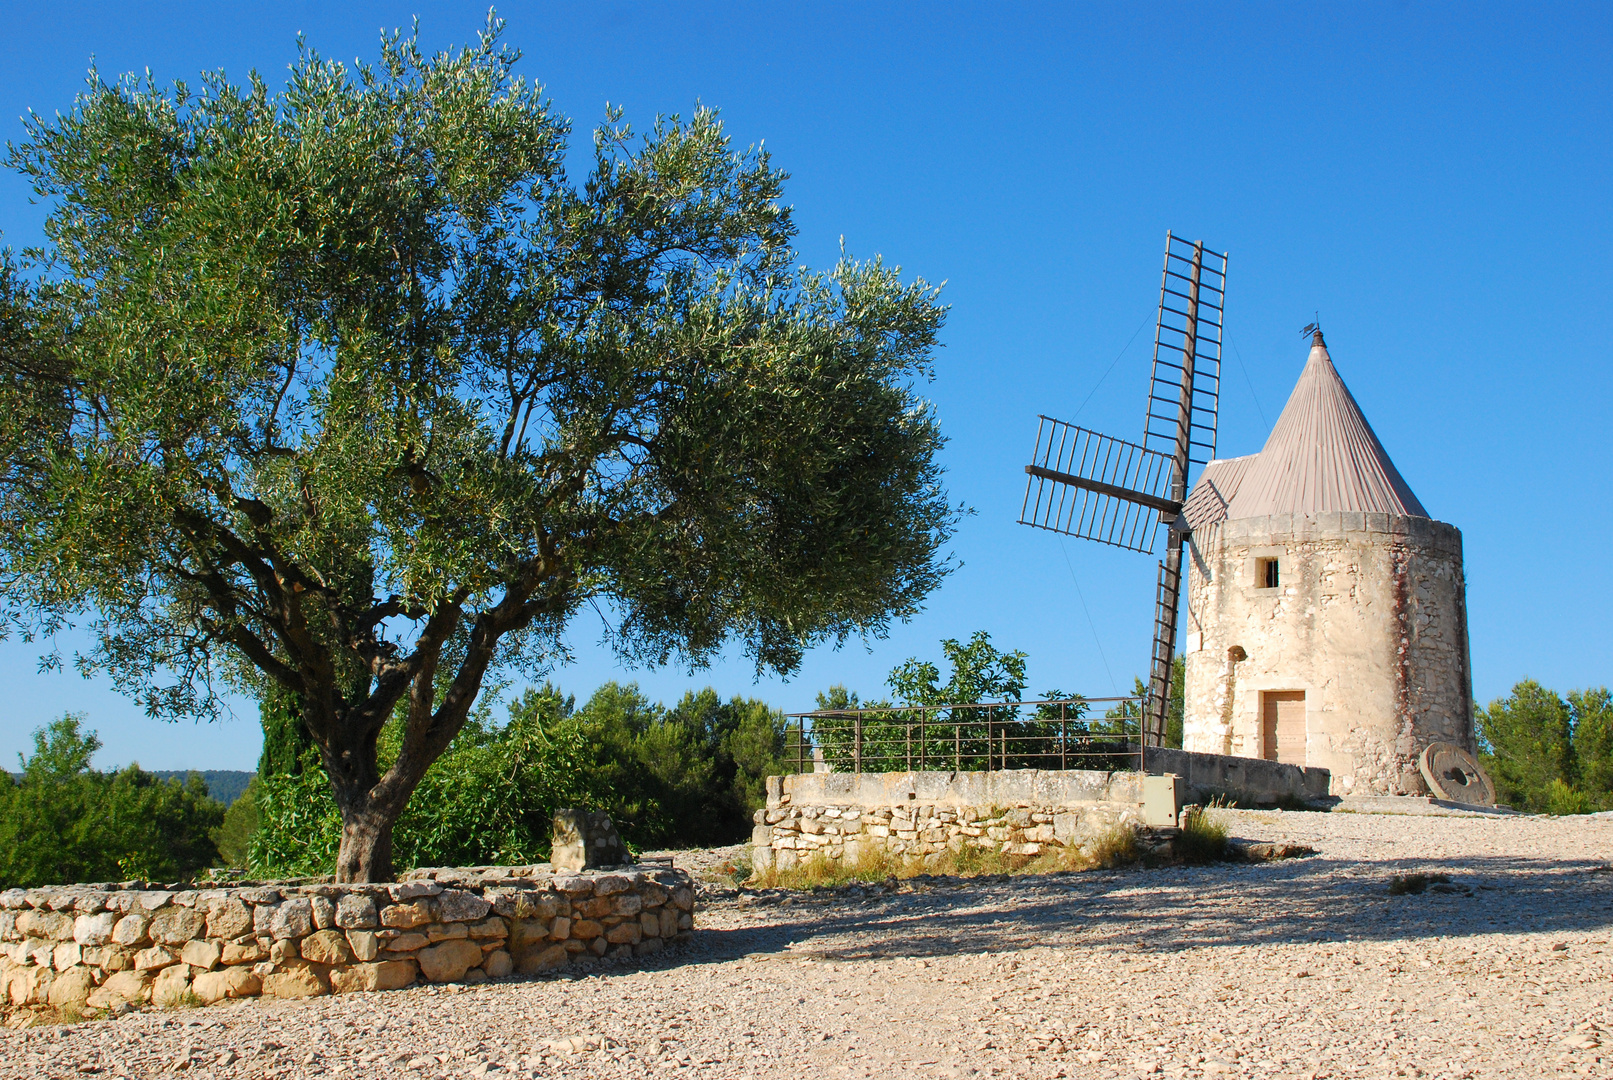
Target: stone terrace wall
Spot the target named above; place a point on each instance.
(925, 815)
(99, 946)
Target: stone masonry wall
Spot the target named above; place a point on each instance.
(103, 946)
(925, 815)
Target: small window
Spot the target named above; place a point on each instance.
(1267, 575)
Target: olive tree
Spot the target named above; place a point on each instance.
(349, 391)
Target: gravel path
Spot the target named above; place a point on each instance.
(1306, 968)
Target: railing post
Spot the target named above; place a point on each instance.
(957, 743)
(923, 737)
(1064, 738)
(857, 742)
(907, 734)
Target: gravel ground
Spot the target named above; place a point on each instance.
(1304, 968)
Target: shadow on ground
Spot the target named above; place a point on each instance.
(1301, 900)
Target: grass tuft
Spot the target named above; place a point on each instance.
(1401, 884)
(1203, 836)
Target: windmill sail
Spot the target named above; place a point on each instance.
(1097, 487)
(1187, 348)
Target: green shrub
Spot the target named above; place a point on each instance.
(690, 775)
(63, 822)
(1549, 754)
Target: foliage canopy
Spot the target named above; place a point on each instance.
(349, 391)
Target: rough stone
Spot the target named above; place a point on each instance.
(498, 964)
(356, 911)
(292, 919)
(124, 986)
(71, 987)
(244, 952)
(131, 929)
(584, 839)
(407, 915)
(228, 918)
(298, 980)
(230, 982)
(382, 975)
(364, 944)
(202, 954)
(153, 958)
(326, 947)
(94, 929)
(171, 986)
(455, 905)
(449, 961)
(177, 925)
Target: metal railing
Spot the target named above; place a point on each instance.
(969, 737)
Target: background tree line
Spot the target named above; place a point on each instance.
(680, 776)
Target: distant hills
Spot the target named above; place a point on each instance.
(225, 785)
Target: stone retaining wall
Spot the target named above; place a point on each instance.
(925, 815)
(102, 946)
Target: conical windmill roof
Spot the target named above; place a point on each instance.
(1322, 457)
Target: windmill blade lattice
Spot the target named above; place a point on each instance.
(1093, 486)
(1192, 296)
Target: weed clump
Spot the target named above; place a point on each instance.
(1401, 884)
(1203, 838)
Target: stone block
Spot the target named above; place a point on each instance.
(131, 929)
(650, 923)
(364, 944)
(244, 952)
(491, 927)
(627, 904)
(412, 890)
(324, 912)
(71, 987)
(449, 961)
(356, 911)
(94, 929)
(560, 929)
(326, 947)
(444, 931)
(154, 958)
(669, 922)
(202, 954)
(456, 905)
(30, 985)
(584, 839)
(228, 918)
(536, 960)
(171, 987)
(298, 980)
(627, 933)
(407, 942)
(125, 986)
(292, 919)
(381, 975)
(67, 954)
(407, 915)
(586, 929)
(498, 964)
(230, 982)
(50, 925)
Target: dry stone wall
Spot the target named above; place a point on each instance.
(106, 946)
(929, 815)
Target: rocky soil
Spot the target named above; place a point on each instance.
(1303, 968)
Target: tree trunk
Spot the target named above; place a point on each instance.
(366, 851)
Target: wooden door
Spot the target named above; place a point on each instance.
(1282, 726)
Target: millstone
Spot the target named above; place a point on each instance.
(1452, 774)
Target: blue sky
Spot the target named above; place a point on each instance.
(1434, 180)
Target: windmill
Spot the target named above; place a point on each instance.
(1096, 487)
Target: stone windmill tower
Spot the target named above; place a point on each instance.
(1327, 612)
